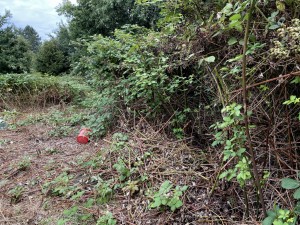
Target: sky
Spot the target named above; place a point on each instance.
(40, 14)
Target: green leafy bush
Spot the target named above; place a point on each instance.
(129, 70)
(101, 113)
(36, 89)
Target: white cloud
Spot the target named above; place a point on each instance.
(39, 14)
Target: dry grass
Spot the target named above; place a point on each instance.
(170, 160)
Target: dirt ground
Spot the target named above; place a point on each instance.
(28, 158)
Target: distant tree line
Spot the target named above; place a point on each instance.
(21, 50)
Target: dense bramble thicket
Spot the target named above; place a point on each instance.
(228, 69)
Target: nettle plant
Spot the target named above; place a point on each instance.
(231, 134)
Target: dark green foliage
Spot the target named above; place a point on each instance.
(102, 113)
(15, 55)
(4, 19)
(91, 17)
(130, 68)
(32, 37)
(63, 38)
(51, 59)
(131, 71)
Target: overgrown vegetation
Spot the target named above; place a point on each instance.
(23, 90)
(222, 75)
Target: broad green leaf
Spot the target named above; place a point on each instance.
(156, 203)
(274, 27)
(71, 211)
(222, 175)
(210, 59)
(241, 151)
(297, 194)
(228, 142)
(235, 17)
(215, 143)
(271, 213)
(165, 187)
(237, 58)
(246, 17)
(164, 201)
(227, 8)
(232, 41)
(288, 183)
(178, 204)
(78, 195)
(297, 208)
(296, 80)
(274, 14)
(264, 87)
(89, 203)
(184, 188)
(268, 221)
(112, 222)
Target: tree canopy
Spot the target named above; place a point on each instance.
(14, 52)
(32, 37)
(51, 59)
(89, 17)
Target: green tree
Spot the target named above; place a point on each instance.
(63, 38)
(4, 19)
(91, 17)
(15, 55)
(32, 37)
(51, 59)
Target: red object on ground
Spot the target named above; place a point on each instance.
(83, 137)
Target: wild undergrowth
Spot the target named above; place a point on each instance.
(125, 170)
(29, 90)
(223, 74)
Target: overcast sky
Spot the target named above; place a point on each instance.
(40, 14)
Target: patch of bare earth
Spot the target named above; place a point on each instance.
(47, 157)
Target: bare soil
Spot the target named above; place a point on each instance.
(48, 157)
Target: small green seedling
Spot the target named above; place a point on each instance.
(24, 164)
(107, 219)
(16, 194)
(168, 196)
(279, 216)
